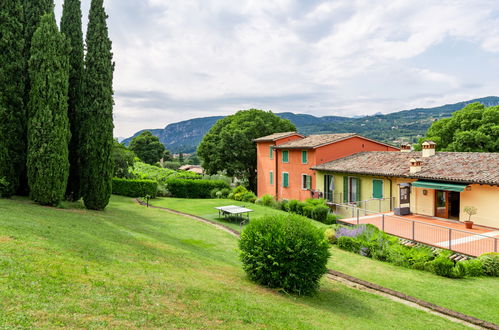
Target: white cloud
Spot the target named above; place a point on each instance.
(181, 59)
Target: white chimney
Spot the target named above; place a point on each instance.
(429, 148)
(415, 165)
(405, 147)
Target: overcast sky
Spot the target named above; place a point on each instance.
(181, 59)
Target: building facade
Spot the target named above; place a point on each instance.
(285, 161)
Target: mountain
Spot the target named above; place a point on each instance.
(406, 125)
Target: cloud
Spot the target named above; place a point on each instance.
(180, 59)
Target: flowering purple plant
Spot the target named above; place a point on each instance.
(350, 232)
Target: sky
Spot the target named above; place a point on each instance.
(183, 59)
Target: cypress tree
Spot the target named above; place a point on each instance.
(48, 126)
(71, 27)
(97, 112)
(33, 11)
(12, 110)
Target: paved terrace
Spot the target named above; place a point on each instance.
(437, 232)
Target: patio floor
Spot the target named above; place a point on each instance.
(437, 232)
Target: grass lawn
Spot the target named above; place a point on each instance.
(134, 267)
(473, 296)
(477, 296)
(205, 208)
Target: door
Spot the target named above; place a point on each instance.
(442, 204)
(328, 186)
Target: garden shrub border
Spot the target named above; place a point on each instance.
(135, 187)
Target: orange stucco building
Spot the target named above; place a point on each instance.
(284, 160)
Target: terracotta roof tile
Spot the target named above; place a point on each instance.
(314, 141)
(275, 136)
(465, 167)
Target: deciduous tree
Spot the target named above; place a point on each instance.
(147, 147)
(72, 29)
(123, 160)
(97, 112)
(12, 107)
(229, 145)
(473, 128)
(48, 127)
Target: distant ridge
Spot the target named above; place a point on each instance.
(405, 125)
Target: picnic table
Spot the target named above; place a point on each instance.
(234, 211)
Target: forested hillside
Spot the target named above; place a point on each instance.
(406, 125)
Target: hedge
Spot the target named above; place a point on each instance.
(135, 188)
(185, 188)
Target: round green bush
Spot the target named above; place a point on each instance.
(490, 263)
(285, 252)
(474, 267)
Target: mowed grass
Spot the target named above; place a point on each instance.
(205, 208)
(137, 267)
(477, 297)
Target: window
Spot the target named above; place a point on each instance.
(271, 177)
(271, 152)
(377, 188)
(306, 181)
(351, 189)
(285, 179)
(328, 187)
(304, 157)
(285, 156)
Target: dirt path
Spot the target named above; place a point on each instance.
(366, 286)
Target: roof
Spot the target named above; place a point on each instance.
(314, 141)
(464, 167)
(276, 136)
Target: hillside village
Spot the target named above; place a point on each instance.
(244, 219)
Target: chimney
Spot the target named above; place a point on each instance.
(429, 148)
(405, 147)
(415, 165)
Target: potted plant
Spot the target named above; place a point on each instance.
(469, 210)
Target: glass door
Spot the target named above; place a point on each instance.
(442, 204)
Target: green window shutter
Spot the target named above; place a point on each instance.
(309, 182)
(304, 157)
(285, 156)
(345, 189)
(271, 177)
(357, 197)
(377, 189)
(271, 152)
(285, 180)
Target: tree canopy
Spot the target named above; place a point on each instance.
(12, 107)
(97, 112)
(72, 29)
(48, 125)
(229, 146)
(123, 160)
(148, 148)
(473, 128)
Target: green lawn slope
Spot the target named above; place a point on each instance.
(134, 267)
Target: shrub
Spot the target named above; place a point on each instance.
(398, 255)
(238, 193)
(267, 200)
(248, 196)
(185, 188)
(163, 191)
(300, 208)
(330, 235)
(308, 211)
(320, 213)
(348, 243)
(474, 267)
(490, 263)
(285, 252)
(223, 193)
(331, 219)
(442, 266)
(293, 206)
(283, 205)
(459, 271)
(4, 187)
(350, 231)
(135, 188)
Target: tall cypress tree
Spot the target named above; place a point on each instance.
(12, 110)
(48, 125)
(33, 11)
(71, 27)
(97, 112)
